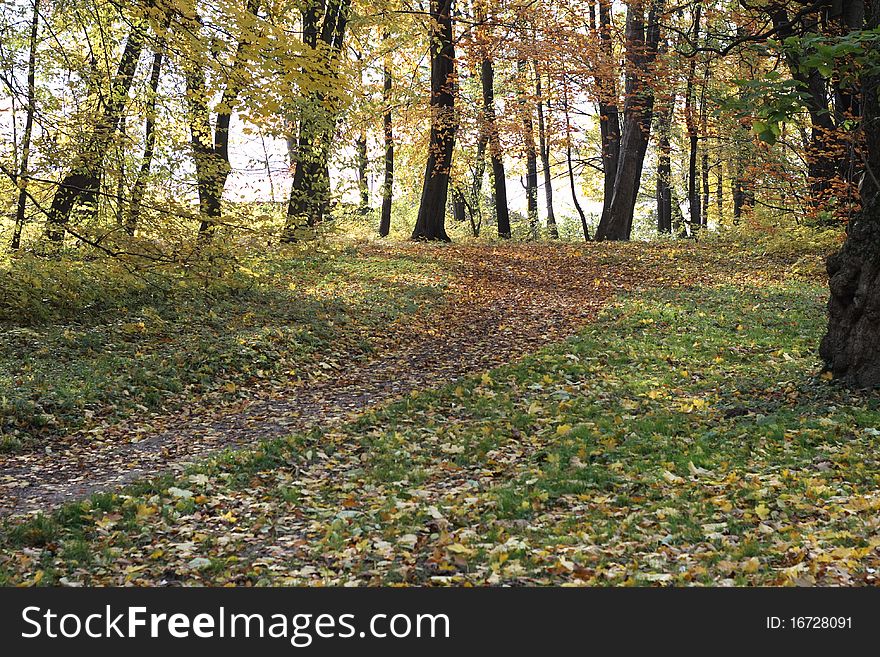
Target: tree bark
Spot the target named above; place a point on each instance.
(851, 345)
(528, 128)
(431, 220)
(388, 131)
(544, 147)
(664, 168)
(642, 41)
(609, 115)
(23, 170)
(324, 25)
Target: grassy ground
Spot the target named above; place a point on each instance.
(685, 438)
(86, 344)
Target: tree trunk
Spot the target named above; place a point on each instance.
(499, 179)
(642, 42)
(528, 128)
(544, 147)
(84, 178)
(664, 168)
(431, 220)
(324, 24)
(568, 159)
(362, 162)
(609, 115)
(693, 135)
(137, 191)
(388, 131)
(851, 345)
(23, 171)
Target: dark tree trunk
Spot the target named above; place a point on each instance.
(544, 147)
(23, 171)
(431, 220)
(851, 345)
(693, 136)
(499, 179)
(609, 116)
(388, 131)
(362, 162)
(324, 24)
(137, 191)
(642, 42)
(84, 178)
(664, 169)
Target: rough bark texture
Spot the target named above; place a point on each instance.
(851, 346)
(642, 39)
(431, 221)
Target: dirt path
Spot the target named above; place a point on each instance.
(501, 303)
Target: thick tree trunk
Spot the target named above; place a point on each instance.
(609, 115)
(84, 178)
(23, 171)
(642, 42)
(388, 131)
(431, 220)
(499, 179)
(139, 187)
(324, 25)
(544, 147)
(693, 136)
(851, 345)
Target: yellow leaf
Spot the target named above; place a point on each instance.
(762, 511)
(563, 429)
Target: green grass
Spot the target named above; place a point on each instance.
(128, 346)
(684, 438)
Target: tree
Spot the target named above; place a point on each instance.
(851, 345)
(431, 220)
(23, 171)
(388, 134)
(642, 41)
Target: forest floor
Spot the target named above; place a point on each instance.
(596, 414)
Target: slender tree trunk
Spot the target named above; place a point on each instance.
(388, 131)
(531, 150)
(324, 25)
(499, 179)
(642, 41)
(363, 185)
(568, 159)
(137, 192)
(544, 147)
(693, 134)
(84, 178)
(431, 220)
(23, 171)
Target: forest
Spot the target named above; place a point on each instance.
(439, 292)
